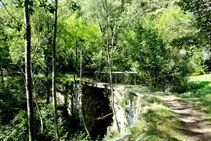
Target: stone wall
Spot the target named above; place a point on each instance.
(128, 107)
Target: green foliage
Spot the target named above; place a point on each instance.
(157, 64)
(172, 23)
(202, 17)
(78, 36)
(12, 98)
(17, 129)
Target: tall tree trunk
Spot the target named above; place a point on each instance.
(76, 60)
(54, 74)
(2, 76)
(47, 88)
(47, 92)
(106, 7)
(110, 74)
(28, 81)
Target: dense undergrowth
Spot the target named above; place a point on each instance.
(13, 114)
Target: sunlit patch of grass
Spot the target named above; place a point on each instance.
(199, 95)
(157, 122)
(67, 77)
(201, 77)
(40, 76)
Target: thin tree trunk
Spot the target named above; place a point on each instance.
(76, 61)
(54, 74)
(80, 93)
(110, 74)
(76, 56)
(72, 94)
(35, 101)
(28, 81)
(48, 92)
(2, 77)
(47, 89)
(106, 8)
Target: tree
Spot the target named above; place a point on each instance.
(28, 71)
(172, 23)
(106, 7)
(42, 53)
(4, 52)
(54, 73)
(202, 17)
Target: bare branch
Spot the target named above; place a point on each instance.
(105, 8)
(111, 4)
(10, 13)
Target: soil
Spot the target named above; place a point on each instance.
(197, 125)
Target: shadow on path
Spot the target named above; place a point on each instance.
(196, 129)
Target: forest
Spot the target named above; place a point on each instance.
(49, 49)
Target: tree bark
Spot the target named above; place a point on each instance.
(54, 73)
(47, 92)
(28, 81)
(106, 8)
(2, 77)
(47, 88)
(110, 73)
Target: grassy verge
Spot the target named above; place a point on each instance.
(157, 121)
(199, 95)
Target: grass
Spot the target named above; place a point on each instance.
(157, 122)
(199, 95)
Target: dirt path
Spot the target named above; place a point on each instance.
(197, 129)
